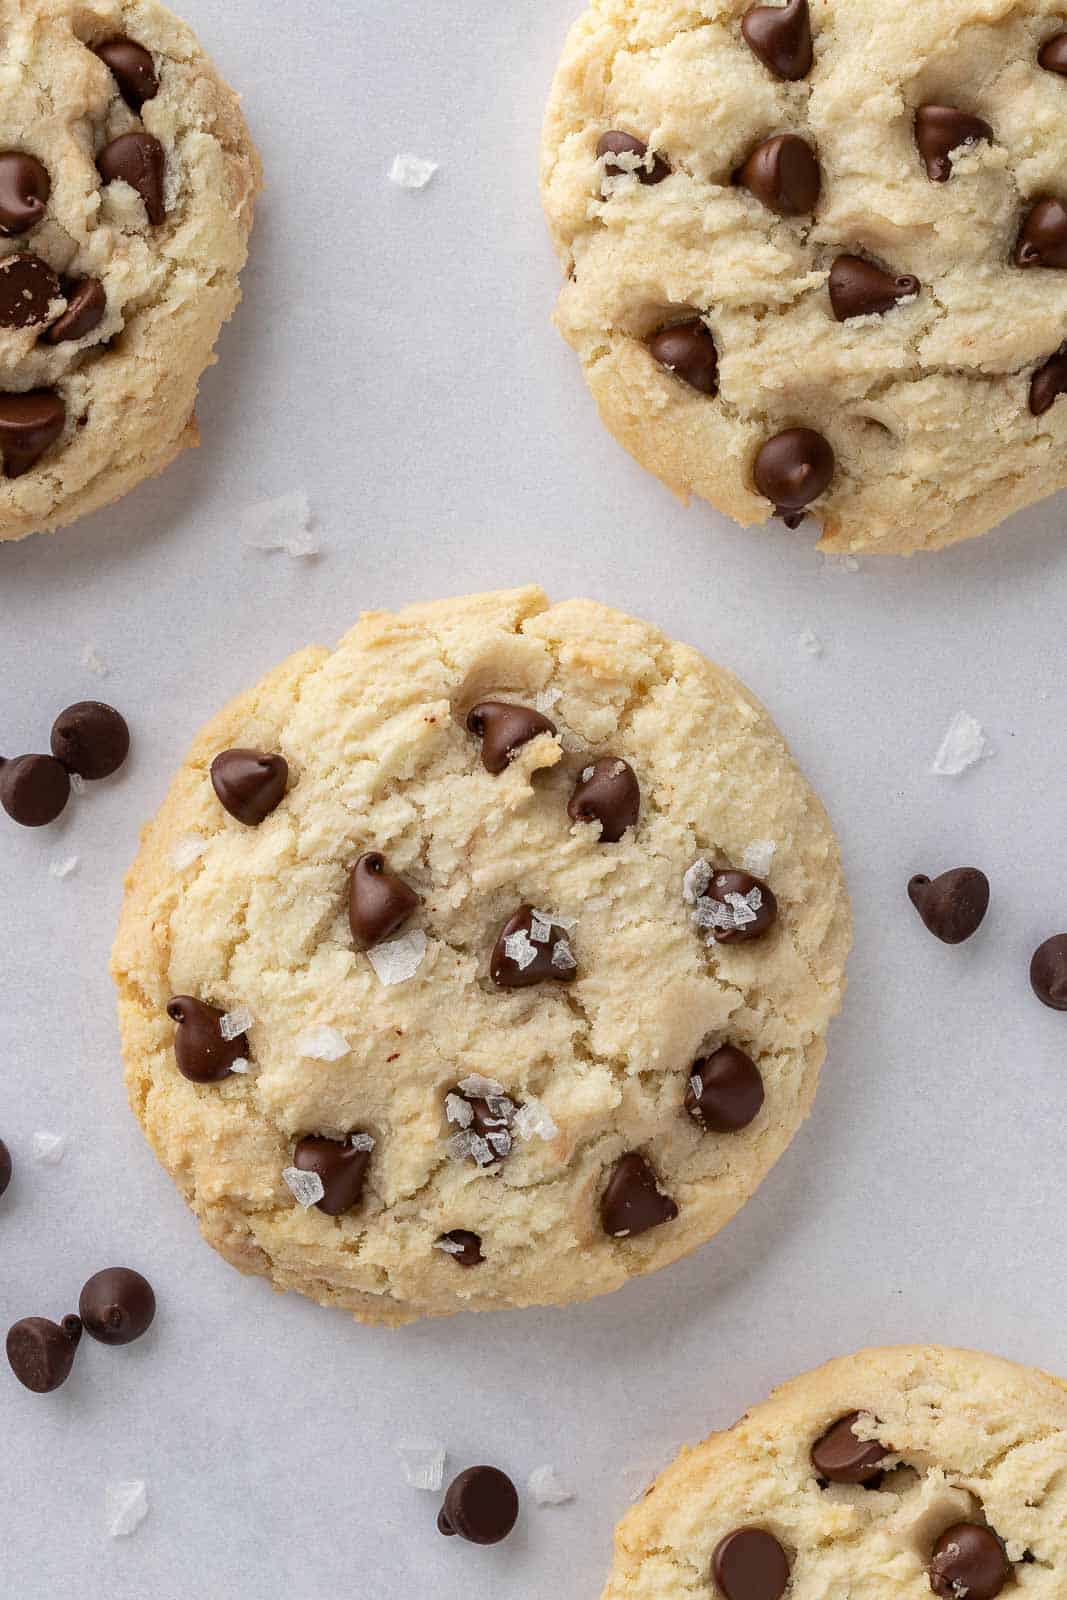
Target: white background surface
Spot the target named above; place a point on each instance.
(394, 357)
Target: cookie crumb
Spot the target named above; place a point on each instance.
(400, 959)
(411, 172)
(241, 1066)
(423, 1463)
(547, 1487)
(306, 1188)
(49, 1148)
(125, 1507)
(533, 1121)
(322, 1044)
(963, 746)
(838, 561)
(93, 662)
(283, 523)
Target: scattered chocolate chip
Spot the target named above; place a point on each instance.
(117, 1305)
(136, 159)
(860, 289)
(203, 1055)
(750, 1564)
(91, 739)
(730, 882)
(953, 905)
(783, 174)
(969, 1560)
(5, 1166)
(624, 144)
(132, 68)
(792, 469)
(731, 1090)
(1049, 382)
(34, 789)
(632, 1202)
(939, 130)
(249, 784)
(1043, 237)
(1053, 54)
(343, 1171)
(481, 1505)
(86, 304)
(27, 288)
(688, 350)
(503, 728)
(607, 792)
(29, 423)
(41, 1353)
(1048, 972)
(781, 37)
(840, 1457)
(469, 1253)
(520, 959)
(24, 190)
(378, 902)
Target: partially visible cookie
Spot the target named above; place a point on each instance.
(483, 961)
(887, 1475)
(127, 179)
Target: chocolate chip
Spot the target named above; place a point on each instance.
(34, 789)
(859, 289)
(764, 908)
(136, 158)
(792, 470)
(1053, 54)
(378, 902)
(24, 190)
(343, 1171)
(731, 1090)
(632, 1202)
(5, 1166)
(117, 1305)
(607, 792)
(489, 1124)
(624, 144)
(41, 1353)
(29, 423)
(1049, 382)
(1042, 239)
(203, 1055)
(91, 739)
(840, 1457)
(784, 175)
(688, 350)
(939, 130)
(469, 1253)
(1048, 972)
(481, 1505)
(781, 37)
(133, 69)
(969, 1560)
(249, 784)
(27, 288)
(520, 959)
(750, 1564)
(503, 728)
(86, 304)
(953, 905)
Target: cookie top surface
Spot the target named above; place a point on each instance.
(922, 163)
(578, 1164)
(127, 178)
(958, 1464)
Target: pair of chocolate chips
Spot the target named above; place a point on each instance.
(28, 287)
(953, 907)
(115, 1307)
(481, 1505)
(89, 739)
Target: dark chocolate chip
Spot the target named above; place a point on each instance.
(34, 789)
(781, 37)
(969, 1560)
(86, 304)
(469, 1251)
(1053, 54)
(731, 1090)
(138, 159)
(551, 955)
(27, 288)
(504, 728)
(24, 190)
(117, 1305)
(688, 350)
(41, 1353)
(249, 784)
(29, 423)
(203, 1055)
(342, 1169)
(624, 144)
(481, 1505)
(490, 1122)
(132, 68)
(1042, 239)
(953, 905)
(783, 174)
(730, 882)
(750, 1564)
(1049, 382)
(91, 739)
(607, 792)
(792, 469)
(5, 1166)
(379, 903)
(1048, 972)
(840, 1457)
(860, 289)
(939, 130)
(632, 1202)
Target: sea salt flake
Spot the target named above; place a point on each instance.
(187, 848)
(77, 783)
(306, 1188)
(283, 523)
(540, 927)
(500, 1109)
(839, 561)
(696, 881)
(500, 1141)
(241, 1066)
(480, 1088)
(745, 907)
(709, 913)
(517, 948)
(963, 746)
(125, 1507)
(481, 1152)
(322, 1044)
(233, 1023)
(63, 866)
(587, 773)
(93, 662)
(809, 644)
(757, 858)
(461, 1145)
(423, 1464)
(696, 1084)
(451, 1247)
(547, 1487)
(411, 172)
(533, 1121)
(545, 699)
(562, 958)
(49, 1148)
(568, 924)
(361, 1141)
(400, 959)
(458, 1110)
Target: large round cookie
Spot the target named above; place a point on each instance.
(542, 1106)
(938, 128)
(127, 177)
(890, 1475)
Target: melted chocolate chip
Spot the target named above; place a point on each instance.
(41, 1353)
(859, 289)
(469, 1252)
(607, 792)
(632, 1202)
(730, 882)
(5, 1166)
(1049, 382)
(688, 350)
(91, 739)
(249, 784)
(783, 174)
(792, 469)
(29, 423)
(1042, 239)
(379, 903)
(750, 1564)
(86, 304)
(504, 728)
(481, 1505)
(132, 68)
(136, 159)
(529, 959)
(1053, 54)
(840, 1457)
(27, 288)
(117, 1305)
(24, 190)
(203, 1055)
(342, 1169)
(1048, 972)
(953, 905)
(969, 1560)
(34, 789)
(624, 144)
(781, 37)
(731, 1090)
(939, 130)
